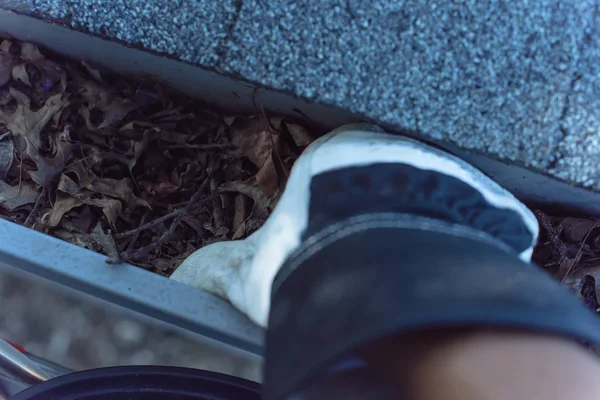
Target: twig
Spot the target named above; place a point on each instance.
(578, 255)
(35, 208)
(137, 234)
(217, 204)
(201, 146)
(150, 224)
(143, 251)
(159, 220)
(20, 172)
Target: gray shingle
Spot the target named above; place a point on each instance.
(514, 80)
(190, 30)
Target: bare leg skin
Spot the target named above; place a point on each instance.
(488, 365)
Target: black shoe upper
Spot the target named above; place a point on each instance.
(393, 249)
(379, 188)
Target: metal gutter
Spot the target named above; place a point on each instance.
(127, 286)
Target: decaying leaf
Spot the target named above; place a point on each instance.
(6, 66)
(26, 125)
(116, 111)
(51, 71)
(62, 205)
(49, 168)
(110, 207)
(68, 185)
(19, 73)
(194, 223)
(7, 150)
(267, 178)
(119, 188)
(255, 140)
(262, 204)
(5, 46)
(65, 203)
(104, 240)
(30, 52)
(93, 72)
(12, 197)
(82, 173)
(575, 230)
(115, 108)
(299, 133)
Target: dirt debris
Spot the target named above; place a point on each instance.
(129, 168)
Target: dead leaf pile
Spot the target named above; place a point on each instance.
(128, 168)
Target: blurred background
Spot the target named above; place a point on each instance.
(81, 332)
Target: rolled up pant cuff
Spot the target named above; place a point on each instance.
(381, 275)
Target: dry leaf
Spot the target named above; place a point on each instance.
(93, 72)
(267, 178)
(240, 232)
(110, 207)
(7, 150)
(85, 177)
(262, 204)
(567, 265)
(51, 71)
(104, 240)
(194, 223)
(81, 220)
(11, 197)
(63, 204)
(5, 97)
(299, 134)
(26, 124)
(19, 73)
(5, 46)
(30, 52)
(68, 185)
(161, 189)
(574, 230)
(6, 66)
(85, 114)
(49, 168)
(80, 239)
(95, 95)
(254, 142)
(115, 108)
(119, 188)
(230, 120)
(116, 111)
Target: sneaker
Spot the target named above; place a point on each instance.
(358, 172)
